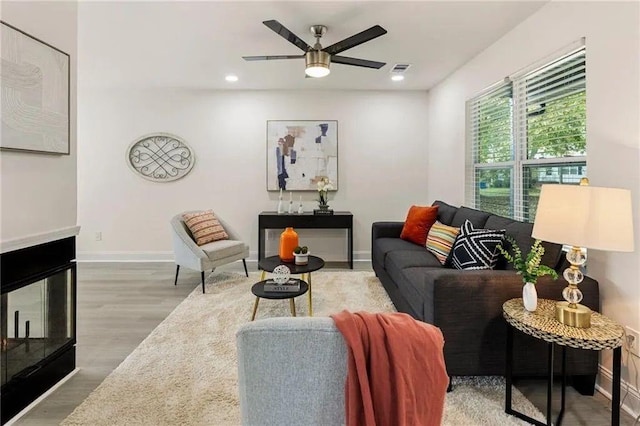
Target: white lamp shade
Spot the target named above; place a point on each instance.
(585, 216)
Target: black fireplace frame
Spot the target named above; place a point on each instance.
(18, 269)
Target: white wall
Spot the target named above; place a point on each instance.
(612, 31)
(38, 192)
(381, 144)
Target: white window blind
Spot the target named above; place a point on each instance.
(491, 158)
(525, 133)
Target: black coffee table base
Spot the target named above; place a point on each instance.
(258, 291)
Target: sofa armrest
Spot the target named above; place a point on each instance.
(386, 230)
(467, 306)
(488, 290)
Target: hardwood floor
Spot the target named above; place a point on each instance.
(119, 304)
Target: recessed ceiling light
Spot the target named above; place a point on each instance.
(397, 77)
(231, 78)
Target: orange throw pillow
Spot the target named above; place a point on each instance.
(419, 221)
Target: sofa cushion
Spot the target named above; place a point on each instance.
(440, 240)
(397, 261)
(476, 217)
(476, 249)
(521, 232)
(401, 259)
(446, 212)
(419, 221)
(382, 246)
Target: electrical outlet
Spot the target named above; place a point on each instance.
(98, 236)
(633, 341)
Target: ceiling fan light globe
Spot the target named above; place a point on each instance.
(317, 71)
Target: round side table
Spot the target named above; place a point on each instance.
(541, 324)
(258, 290)
(315, 263)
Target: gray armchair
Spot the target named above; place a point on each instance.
(207, 256)
(291, 371)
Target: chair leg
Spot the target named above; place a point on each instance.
(202, 277)
(244, 262)
(292, 306)
(255, 308)
(177, 270)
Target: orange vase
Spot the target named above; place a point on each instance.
(288, 242)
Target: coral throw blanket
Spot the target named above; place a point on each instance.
(396, 372)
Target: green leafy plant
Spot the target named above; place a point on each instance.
(301, 250)
(530, 268)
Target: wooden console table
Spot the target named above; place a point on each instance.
(273, 220)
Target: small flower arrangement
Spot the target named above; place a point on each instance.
(530, 268)
(324, 186)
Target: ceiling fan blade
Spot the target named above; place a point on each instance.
(355, 40)
(357, 62)
(288, 35)
(271, 57)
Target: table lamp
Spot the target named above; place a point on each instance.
(582, 216)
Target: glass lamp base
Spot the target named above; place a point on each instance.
(579, 317)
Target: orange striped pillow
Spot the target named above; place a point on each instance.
(440, 240)
(204, 227)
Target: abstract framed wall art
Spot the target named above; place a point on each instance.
(300, 153)
(35, 84)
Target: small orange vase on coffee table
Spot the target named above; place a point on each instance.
(288, 242)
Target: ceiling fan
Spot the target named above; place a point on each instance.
(317, 58)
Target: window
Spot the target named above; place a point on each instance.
(525, 132)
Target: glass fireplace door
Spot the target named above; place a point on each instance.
(37, 320)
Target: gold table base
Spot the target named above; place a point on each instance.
(579, 317)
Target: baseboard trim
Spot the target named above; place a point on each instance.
(630, 404)
(167, 256)
(124, 256)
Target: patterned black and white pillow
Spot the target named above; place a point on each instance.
(476, 248)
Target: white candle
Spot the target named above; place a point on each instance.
(290, 196)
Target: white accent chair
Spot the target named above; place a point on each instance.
(207, 256)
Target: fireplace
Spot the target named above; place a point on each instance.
(38, 321)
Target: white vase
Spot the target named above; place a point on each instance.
(530, 297)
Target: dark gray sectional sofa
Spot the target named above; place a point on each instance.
(467, 305)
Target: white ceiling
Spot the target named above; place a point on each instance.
(195, 44)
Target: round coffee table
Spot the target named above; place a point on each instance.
(268, 264)
(258, 290)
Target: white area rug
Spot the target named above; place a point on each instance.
(184, 372)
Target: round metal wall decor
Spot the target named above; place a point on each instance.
(160, 157)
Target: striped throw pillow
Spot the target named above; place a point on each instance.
(440, 240)
(204, 227)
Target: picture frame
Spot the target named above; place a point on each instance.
(36, 94)
(300, 153)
